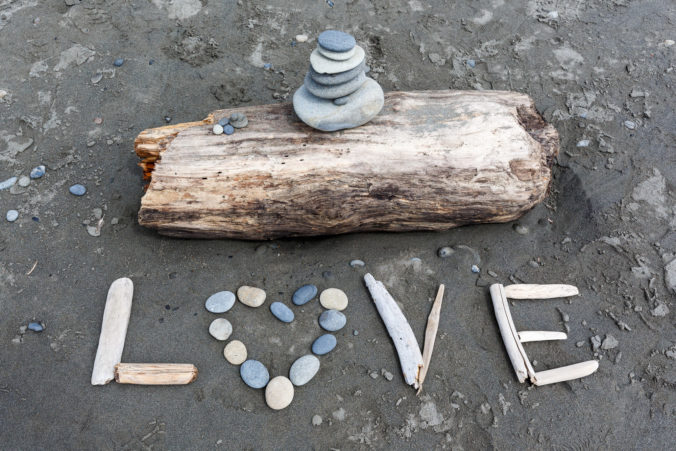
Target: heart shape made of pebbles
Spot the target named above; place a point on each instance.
(279, 390)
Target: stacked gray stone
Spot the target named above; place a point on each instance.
(336, 93)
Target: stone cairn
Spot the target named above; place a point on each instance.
(336, 93)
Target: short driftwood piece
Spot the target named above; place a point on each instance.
(431, 160)
(155, 373)
(431, 335)
(113, 330)
(399, 330)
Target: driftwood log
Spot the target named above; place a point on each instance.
(431, 160)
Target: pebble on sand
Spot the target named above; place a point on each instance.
(333, 299)
(24, 181)
(445, 251)
(118, 62)
(37, 172)
(77, 190)
(301, 38)
(251, 296)
(254, 374)
(235, 352)
(8, 183)
(303, 370)
(220, 329)
(324, 344)
(316, 420)
(304, 294)
(279, 393)
(332, 320)
(220, 302)
(12, 215)
(475, 269)
(281, 312)
(357, 264)
(35, 326)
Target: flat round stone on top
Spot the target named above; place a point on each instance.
(336, 41)
(323, 65)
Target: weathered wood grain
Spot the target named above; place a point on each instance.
(431, 160)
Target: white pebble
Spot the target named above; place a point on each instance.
(24, 181)
(583, 143)
(279, 393)
(12, 215)
(301, 37)
(316, 420)
(218, 129)
(220, 329)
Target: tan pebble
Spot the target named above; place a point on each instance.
(279, 393)
(333, 299)
(235, 352)
(251, 296)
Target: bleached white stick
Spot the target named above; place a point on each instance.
(113, 331)
(431, 335)
(532, 291)
(566, 373)
(508, 332)
(400, 331)
(526, 336)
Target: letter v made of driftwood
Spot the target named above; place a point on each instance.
(414, 365)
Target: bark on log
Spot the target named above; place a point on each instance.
(431, 160)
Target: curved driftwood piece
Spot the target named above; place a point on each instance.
(113, 330)
(399, 330)
(566, 373)
(431, 160)
(155, 373)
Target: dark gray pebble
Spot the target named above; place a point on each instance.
(340, 101)
(281, 312)
(324, 344)
(224, 121)
(304, 294)
(228, 129)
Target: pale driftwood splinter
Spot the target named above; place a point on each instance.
(431, 335)
(431, 160)
(113, 330)
(566, 373)
(155, 373)
(526, 336)
(532, 291)
(513, 339)
(399, 330)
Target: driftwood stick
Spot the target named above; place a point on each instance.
(431, 334)
(155, 373)
(399, 330)
(566, 373)
(113, 331)
(532, 291)
(431, 160)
